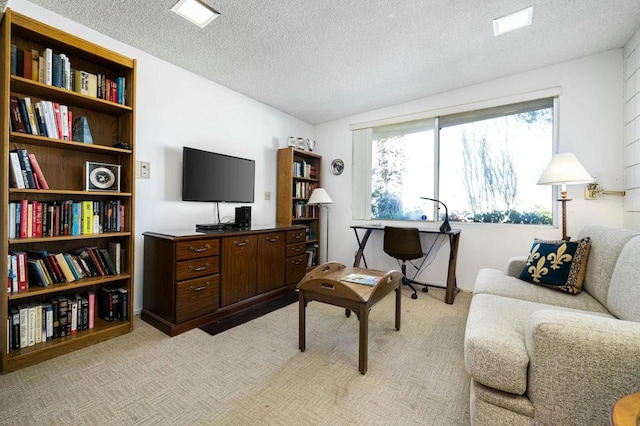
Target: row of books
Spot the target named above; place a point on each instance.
(301, 210)
(303, 189)
(311, 233)
(36, 322)
(41, 268)
(33, 219)
(304, 170)
(42, 118)
(312, 255)
(55, 69)
(25, 171)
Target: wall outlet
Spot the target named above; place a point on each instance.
(143, 170)
(267, 195)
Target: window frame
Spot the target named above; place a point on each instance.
(363, 133)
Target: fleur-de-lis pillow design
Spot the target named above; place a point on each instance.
(560, 265)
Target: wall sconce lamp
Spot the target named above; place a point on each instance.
(564, 169)
(593, 191)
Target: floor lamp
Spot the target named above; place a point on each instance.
(564, 169)
(320, 197)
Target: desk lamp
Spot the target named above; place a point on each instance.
(320, 197)
(445, 227)
(564, 169)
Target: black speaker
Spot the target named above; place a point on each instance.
(243, 217)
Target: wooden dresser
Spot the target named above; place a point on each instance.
(193, 278)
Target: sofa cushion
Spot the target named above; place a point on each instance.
(495, 352)
(493, 281)
(624, 291)
(606, 244)
(559, 265)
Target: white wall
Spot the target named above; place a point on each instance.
(177, 108)
(590, 110)
(632, 132)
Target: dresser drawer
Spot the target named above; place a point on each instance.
(197, 297)
(193, 268)
(295, 269)
(296, 236)
(197, 248)
(295, 249)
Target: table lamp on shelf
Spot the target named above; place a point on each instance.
(320, 197)
(564, 169)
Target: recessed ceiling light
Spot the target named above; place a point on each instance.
(513, 21)
(195, 11)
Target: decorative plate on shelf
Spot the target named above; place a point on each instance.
(337, 166)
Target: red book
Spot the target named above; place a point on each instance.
(92, 310)
(56, 267)
(96, 260)
(24, 205)
(23, 284)
(38, 219)
(28, 67)
(70, 123)
(38, 172)
(58, 116)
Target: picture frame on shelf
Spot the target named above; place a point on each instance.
(102, 177)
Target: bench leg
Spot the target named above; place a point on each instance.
(398, 310)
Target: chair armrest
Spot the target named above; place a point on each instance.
(580, 365)
(515, 265)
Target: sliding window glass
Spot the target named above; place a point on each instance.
(402, 169)
(483, 164)
(491, 160)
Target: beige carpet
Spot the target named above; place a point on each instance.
(255, 374)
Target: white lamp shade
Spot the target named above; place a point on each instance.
(319, 196)
(565, 169)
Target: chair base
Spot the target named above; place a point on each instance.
(409, 283)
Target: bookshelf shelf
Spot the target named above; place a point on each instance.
(63, 165)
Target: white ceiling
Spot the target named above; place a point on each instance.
(321, 60)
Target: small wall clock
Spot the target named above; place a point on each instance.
(337, 166)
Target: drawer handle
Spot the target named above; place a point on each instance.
(328, 286)
(199, 268)
(297, 236)
(241, 244)
(202, 287)
(297, 262)
(272, 239)
(297, 249)
(199, 249)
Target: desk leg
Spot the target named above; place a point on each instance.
(301, 318)
(451, 275)
(398, 310)
(361, 245)
(364, 338)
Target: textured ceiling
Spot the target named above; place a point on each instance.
(321, 60)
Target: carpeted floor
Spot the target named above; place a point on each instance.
(254, 374)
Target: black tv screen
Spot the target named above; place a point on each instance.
(208, 176)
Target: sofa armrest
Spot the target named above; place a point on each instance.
(580, 365)
(515, 265)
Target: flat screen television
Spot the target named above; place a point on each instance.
(209, 176)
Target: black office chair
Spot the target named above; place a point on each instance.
(404, 245)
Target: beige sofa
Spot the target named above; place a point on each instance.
(539, 356)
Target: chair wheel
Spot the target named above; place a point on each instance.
(425, 289)
(414, 296)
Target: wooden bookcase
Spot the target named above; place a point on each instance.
(63, 165)
(294, 189)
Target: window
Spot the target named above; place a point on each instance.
(484, 164)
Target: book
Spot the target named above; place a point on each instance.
(365, 279)
(35, 166)
(36, 274)
(16, 177)
(17, 125)
(123, 305)
(48, 66)
(31, 116)
(64, 326)
(115, 251)
(24, 325)
(25, 165)
(14, 312)
(56, 70)
(64, 267)
(39, 116)
(35, 59)
(48, 315)
(108, 261)
(27, 68)
(87, 217)
(105, 304)
(13, 61)
(91, 297)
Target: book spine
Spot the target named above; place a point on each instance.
(32, 117)
(17, 177)
(17, 125)
(91, 296)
